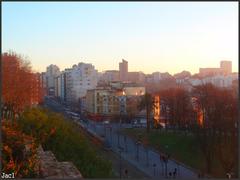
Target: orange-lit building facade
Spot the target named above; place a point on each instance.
(107, 103)
(157, 110)
(160, 111)
(197, 109)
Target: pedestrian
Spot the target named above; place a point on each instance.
(170, 174)
(175, 172)
(126, 173)
(228, 175)
(199, 175)
(168, 156)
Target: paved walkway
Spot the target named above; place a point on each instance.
(147, 160)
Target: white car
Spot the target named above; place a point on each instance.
(139, 123)
(105, 122)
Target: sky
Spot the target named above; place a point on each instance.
(151, 36)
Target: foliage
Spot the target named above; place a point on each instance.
(219, 120)
(66, 141)
(20, 86)
(18, 152)
(177, 107)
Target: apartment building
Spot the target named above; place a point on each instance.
(51, 73)
(110, 75)
(112, 101)
(123, 70)
(79, 79)
(224, 69)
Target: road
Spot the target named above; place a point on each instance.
(145, 159)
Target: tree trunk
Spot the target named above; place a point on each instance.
(148, 119)
(209, 164)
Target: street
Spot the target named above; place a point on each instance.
(145, 159)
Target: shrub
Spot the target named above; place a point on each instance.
(18, 152)
(66, 141)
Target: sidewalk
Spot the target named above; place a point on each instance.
(160, 168)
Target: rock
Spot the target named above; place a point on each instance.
(49, 167)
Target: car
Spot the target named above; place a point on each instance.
(75, 118)
(105, 122)
(139, 123)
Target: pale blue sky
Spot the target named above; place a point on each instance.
(151, 36)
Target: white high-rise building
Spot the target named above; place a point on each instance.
(51, 73)
(79, 79)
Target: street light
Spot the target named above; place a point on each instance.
(165, 160)
(178, 170)
(161, 157)
(125, 142)
(154, 169)
(105, 133)
(137, 148)
(147, 156)
(118, 138)
(120, 164)
(111, 134)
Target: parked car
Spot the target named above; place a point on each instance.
(139, 123)
(105, 122)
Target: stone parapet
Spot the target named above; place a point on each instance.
(49, 167)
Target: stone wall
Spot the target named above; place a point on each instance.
(49, 167)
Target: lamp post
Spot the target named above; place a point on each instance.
(95, 128)
(125, 142)
(165, 160)
(137, 149)
(145, 142)
(162, 163)
(120, 163)
(118, 138)
(154, 169)
(111, 133)
(178, 170)
(105, 130)
(166, 163)
(146, 149)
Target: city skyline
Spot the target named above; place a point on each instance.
(162, 36)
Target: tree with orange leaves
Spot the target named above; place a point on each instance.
(20, 86)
